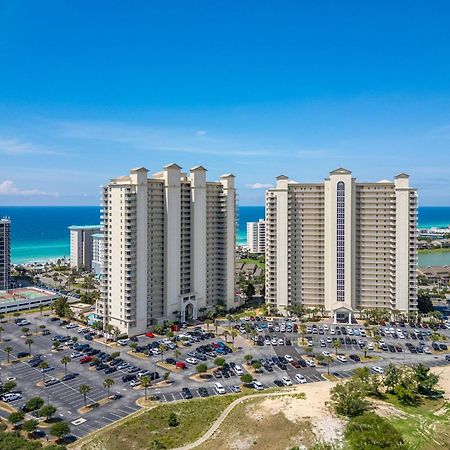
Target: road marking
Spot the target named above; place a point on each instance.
(78, 421)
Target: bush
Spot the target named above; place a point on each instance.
(60, 430)
(201, 368)
(219, 361)
(371, 432)
(16, 417)
(172, 420)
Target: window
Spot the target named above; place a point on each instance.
(340, 242)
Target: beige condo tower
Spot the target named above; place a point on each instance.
(169, 247)
(341, 245)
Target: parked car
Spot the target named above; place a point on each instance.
(186, 393)
(219, 388)
(300, 378)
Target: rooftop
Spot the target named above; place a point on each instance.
(85, 227)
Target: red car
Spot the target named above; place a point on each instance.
(150, 335)
(180, 365)
(86, 359)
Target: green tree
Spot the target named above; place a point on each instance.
(25, 330)
(248, 358)
(9, 386)
(56, 345)
(30, 425)
(201, 368)
(219, 361)
(246, 378)
(349, 398)
(47, 411)
(34, 404)
(133, 346)
(256, 365)
(426, 380)
(249, 291)
(84, 391)
(43, 365)
(16, 417)
(107, 383)
(8, 350)
(372, 432)
(28, 342)
(337, 345)
(65, 360)
(60, 430)
(145, 383)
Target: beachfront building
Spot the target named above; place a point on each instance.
(341, 245)
(81, 245)
(97, 253)
(256, 236)
(169, 247)
(5, 253)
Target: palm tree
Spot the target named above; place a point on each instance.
(162, 348)
(29, 341)
(133, 346)
(43, 365)
(336, 345)
(1, 331)
(108, 383)
(328, 359)
(176, 353)
(303, 332)
(145, 383)
(65, 360)
(56, 345)
(233, 334)
(8, 350)
(84, 391)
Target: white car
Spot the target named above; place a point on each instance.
(286, 381)
(329, 340)
(219, 388)
(341, 358)
(71, 325)
(325, 353)
(325, 328)
(192, 361)
(135, 383)
(274, 342)
(122, 342)
(235, 389)
(266, 341)
(289, 358)
(257, 385)
(75, 354)
(238, 370)
(277, 328)
(310, 343)
(11, 397)
(427, 350)
(369, 346)
(310, 363)
(280, 341)
(378, 369)
(332, 331)
(300, 378)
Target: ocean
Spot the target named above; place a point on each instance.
(39, 233)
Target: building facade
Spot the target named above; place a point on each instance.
(97, 252)
(5, 253)
(81, 245)
(169, 247)
(256, 236)
(341, 245)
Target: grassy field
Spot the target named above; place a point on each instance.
(426, 427)
(253, 261)
(151, 428)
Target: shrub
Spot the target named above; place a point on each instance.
(349, 399)
(172, 420)
(369, 432)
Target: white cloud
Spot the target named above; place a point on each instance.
(259, 186)
(201, 132)
(17, 147)
(8, 188)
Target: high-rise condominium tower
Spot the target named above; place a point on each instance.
(256, 236)
(169, 247)
(341, 244)
(5, 253)
(81, 245)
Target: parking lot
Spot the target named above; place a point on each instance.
(277, 362)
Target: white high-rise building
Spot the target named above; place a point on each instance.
(97, 252)
(5, 253)
(81, 245)
(256, 236)
(169, 247)
(342, 245)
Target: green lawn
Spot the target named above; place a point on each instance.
(253, 261)
(435, 250)
(150, 428)
(425, 427)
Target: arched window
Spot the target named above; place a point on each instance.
(340, 242)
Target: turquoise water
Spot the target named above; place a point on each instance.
(41, 233)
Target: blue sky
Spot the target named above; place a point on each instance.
(89, 90)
